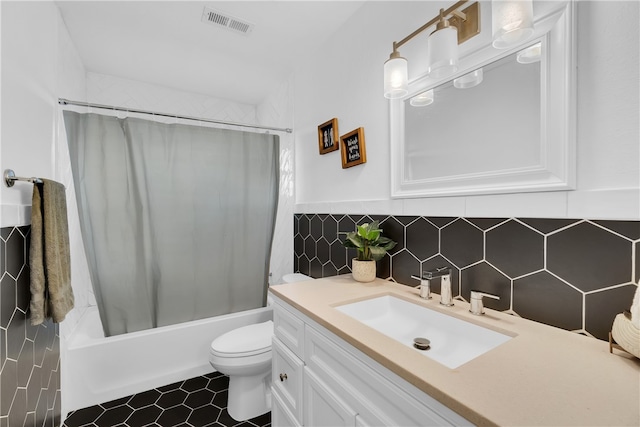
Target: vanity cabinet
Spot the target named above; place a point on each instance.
(321, 380)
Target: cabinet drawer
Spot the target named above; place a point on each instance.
(286, 376)
(323, 406)
(376, 399)
(289, 329)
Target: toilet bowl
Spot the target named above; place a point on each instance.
(244, 354)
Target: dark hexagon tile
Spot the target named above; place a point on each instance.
(589, 257)
(8, 381)
(194, 384)
(171, 399)
(304, 265)
(8, 299)
(483, 277)
(262, 420)
(422, 239)
(316, 227)
(304, 226)
(15, 253)
(547, 226)
(441, 221)
(298, 245)
(2, 256)
(329, 270)
(221, 398)
(199, 398)
(174, 416)
(330, 229)
(602, 307)
(346, 225)
(144, 416)
(204, 416)
(3, 347)
(485, 223)
(544, 298)
(403, 266)
(25, 363)
(515, 249)
(630, 229)
(322, 250)
(5, 232)
(394, 230)
(383, 267)
(18, 407)
(403, 219)
(169, 387)
(225, 419)
(338, 254)
(16, 335)
(315, 269)
(310, 247)
(143, 399)
(462, 243)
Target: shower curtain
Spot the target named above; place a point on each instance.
(177, 221)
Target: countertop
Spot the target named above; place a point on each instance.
(544, 376)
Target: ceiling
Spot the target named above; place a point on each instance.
(166, 43)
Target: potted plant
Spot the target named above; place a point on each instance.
(371, 247)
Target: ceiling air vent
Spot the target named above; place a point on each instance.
(224, 20)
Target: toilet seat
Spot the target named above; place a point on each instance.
(245, 341)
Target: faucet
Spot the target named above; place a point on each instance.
(444, 273)
(424, 286)
(477, 307)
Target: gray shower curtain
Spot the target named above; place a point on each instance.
(177, 221)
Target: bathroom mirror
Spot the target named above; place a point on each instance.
(504, 123)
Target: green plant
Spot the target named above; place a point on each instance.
(369, 242)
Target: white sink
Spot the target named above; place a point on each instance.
(454, 342)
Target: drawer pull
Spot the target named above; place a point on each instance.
(283, 377)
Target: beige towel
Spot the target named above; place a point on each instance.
(51, 293)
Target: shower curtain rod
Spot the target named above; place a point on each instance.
(63, 101)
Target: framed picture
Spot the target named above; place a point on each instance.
(353, 148)
(328, 136)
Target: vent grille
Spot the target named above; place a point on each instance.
(224, 20)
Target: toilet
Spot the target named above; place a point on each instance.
(244, 354)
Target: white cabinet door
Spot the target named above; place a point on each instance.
(280, 415)
(286, 378)
(322, 406)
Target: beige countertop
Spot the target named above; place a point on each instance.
(543, 376)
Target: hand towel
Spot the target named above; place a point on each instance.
(49, 259)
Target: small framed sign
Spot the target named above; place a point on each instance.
(328, 136)
(353, 148)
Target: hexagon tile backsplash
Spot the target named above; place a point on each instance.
(572, 274)
(29, 355)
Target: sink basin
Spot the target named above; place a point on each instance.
(453, 342)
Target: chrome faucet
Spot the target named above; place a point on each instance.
(444, 273)
(424, 286)
(477, 307)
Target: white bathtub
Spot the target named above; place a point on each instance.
(96, 369)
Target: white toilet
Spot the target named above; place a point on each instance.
(244, 354)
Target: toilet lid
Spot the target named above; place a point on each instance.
(245, 341)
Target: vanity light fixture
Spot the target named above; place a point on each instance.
(512, 22)
(422, 99)
(469, 80)
(453, 28)
(530, 55)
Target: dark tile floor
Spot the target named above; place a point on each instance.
(196, 402)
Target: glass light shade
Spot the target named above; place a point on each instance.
(530, 55)
(471, 79)
(423, 99)
(396, 78)
(442, 52)
(512, 22)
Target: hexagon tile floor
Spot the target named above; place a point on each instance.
(196, 402)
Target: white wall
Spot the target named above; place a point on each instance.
(344, 80)
(39, 64)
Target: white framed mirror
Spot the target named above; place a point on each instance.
(500, 125)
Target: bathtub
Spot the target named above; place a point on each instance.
(96, 369)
